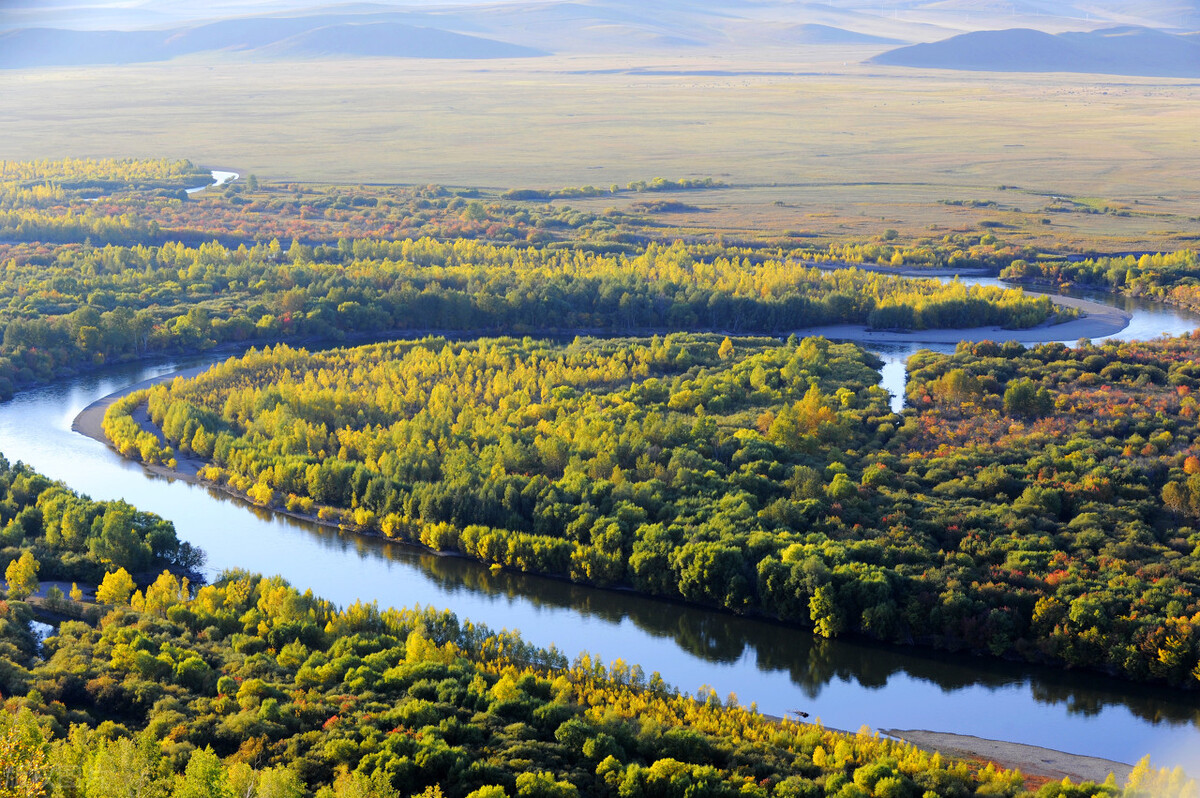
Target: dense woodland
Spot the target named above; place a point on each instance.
(51, 183)
(248, 687)
(98, 305)
(104, 260)
(1172, 277)
(141, 202)
(754, 474)
(1033, 503)
(73, 537)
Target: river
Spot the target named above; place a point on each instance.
(1148, 320)
(782, 669)
(220, 178)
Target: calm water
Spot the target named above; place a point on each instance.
(220, 178)
(1149, 320)
(782, 669)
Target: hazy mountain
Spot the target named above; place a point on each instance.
(812, 33)
(1051, 16)
(73, 32)
(37, 47)
(1114, 51)
(265, 37)
(952, 16)
(391, 40)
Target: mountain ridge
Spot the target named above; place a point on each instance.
(268, 37)
(1125, 50)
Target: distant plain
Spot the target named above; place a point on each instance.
(810, 139)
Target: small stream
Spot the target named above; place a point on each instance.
(220, 178)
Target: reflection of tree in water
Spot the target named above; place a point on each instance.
(811, 662)
(1148, 703)
(706, 635)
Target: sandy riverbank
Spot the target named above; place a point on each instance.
(1098, 321)
(1031, 760)
(90, 422)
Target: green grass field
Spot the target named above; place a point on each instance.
(840, 151)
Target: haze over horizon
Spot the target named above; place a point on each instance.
(954, 16)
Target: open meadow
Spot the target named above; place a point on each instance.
(808, 141)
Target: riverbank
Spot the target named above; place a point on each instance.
(1039, 765)
(934, 272)
(1098, 321)
(90, 422)
(1033, 761)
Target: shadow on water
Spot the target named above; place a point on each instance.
(810, 662)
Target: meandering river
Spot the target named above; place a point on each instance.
(782, 669)
(220, 178)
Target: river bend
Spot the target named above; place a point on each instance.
(781, 669)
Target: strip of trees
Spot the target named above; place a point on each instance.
(1033, 502)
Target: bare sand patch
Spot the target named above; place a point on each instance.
(1031, 760)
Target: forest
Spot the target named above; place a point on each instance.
(103, 261)
(1172, 277)
(88, 306)
(662, 433)
(1032, 502)
(249, 687)
(141, 202)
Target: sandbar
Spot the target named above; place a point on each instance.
(1031, 760)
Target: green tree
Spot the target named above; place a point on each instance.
(1024, 397)
(826, 615)
(118, 542)
(120, 768)
(204, 777)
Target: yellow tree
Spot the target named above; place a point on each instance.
(116, 588)
(24, 766)
(21, 576)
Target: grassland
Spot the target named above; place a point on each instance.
(829, 148)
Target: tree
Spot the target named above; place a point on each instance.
(21, 576)
(827, 617)
(120, 767)
(54, 598)
(957, 386)
(204, 777)
(1024, 397)
(118, 542)
(24, 764)
(116, 588)
(726, 349)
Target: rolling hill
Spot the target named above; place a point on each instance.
(815, 33)
(1130, 51)
(255, 37)
(1008, 35)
